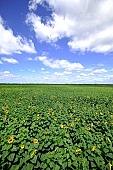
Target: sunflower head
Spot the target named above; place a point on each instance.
(33, 153)
(78, 150)
(106, 123)
(55, 119)
(93, 148)
(10, 140)
(35, 141)
(88, 128)
(61, 125)
(6, 111)
(22, 146)
(109, 140)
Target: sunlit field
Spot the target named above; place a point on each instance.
(56, 127)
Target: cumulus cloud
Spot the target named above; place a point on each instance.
(87, 24)
(10, 60)
(1, 62)
(45, 72)
(59, 64)
(33, 4)
(63, 74)
(33, 71)
(58, 74)
(6, 74)
(9, 43)
(89, 69)
(57, 77)
(99, 71)
(67, 72)
(83, 74)
(30, 59)
(53, 29)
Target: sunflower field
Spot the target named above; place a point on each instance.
(56, 127)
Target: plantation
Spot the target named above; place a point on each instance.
(56, 127)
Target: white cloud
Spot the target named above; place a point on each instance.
(51, 31)
(83, 74)
(63, 64)
(91, 74)
(100, 65)
(88, 24)
(45, 72)
(63, 74)
(9, 43)
(10, 60)
(33, 71)
(42, 69)
(33, 4)
(89, 69)
(30, 59)
(6, 74)
(56, 77)
(1, 62)
(109, 76)
(99, 71)
(67, 72)
(58, 74)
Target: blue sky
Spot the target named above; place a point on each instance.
(43, 41)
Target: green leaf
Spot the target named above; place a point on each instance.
(67, 155)
(105, 150)
(90, 158)
(5, 153)
(44, 166)
(67, 135)
(60, 161)
(11, 157)
(98, 151)
(60, 143)
(48, 168)
(26, 157)
(75, 164)
(34, 159)
(52, 146)
(15, 167)
(21, 161)
(72, 156)
(48, 161)
(64, 165)
(97, 160)
(93, 164)
(28, 167)
(57, 167)
(69, 163)
(109, 155)
(37, 166)
(14, 148)
(17, 157)
(9, 147)
(4, 147)
(51, 164)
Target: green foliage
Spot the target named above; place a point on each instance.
(56, 127)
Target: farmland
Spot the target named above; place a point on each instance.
(56, 127)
